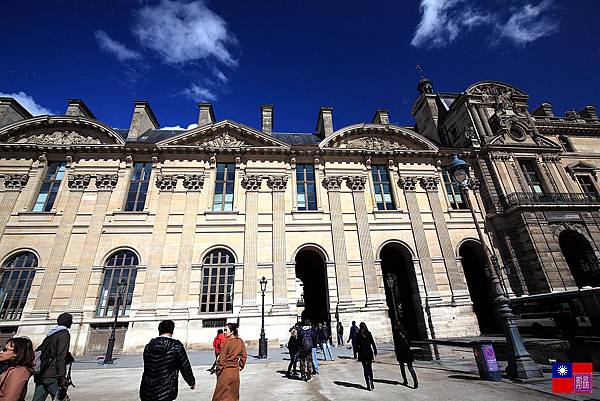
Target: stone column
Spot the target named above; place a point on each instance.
(166, 185)
(77, 184)
(409, 184)
(105, 183)
(193, 184)
(476, 120)
(252, 184)
(278, 185)
(13, 185)
(332, 184)
(357, 185)
(36, 175)
(484, 120)
(430, 185)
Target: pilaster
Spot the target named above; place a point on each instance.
(13, 185)
(251, 184)
(278, 185)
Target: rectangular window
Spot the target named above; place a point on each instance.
(564, 141)
(306, 195)
(587, 185)
(223, 198)
(383, 191)
(138, 187)
(530, 173)
(50, 185)
(453, 193)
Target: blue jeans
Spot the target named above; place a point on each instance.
(44, 387)
(327, 350)
(314, 358)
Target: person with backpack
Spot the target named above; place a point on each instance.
(52, 358)
(164, 358)
(217, 345)
(305, 352)
(352, 337)
(18, 354)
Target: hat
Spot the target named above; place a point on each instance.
(64, 319)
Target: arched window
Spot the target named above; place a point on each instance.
(17, 275)
(122, 265)
(217, 282)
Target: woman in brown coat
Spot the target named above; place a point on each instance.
(18, 353)
(231, 360)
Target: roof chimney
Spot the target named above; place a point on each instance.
(543, 110)
(11, 111)
(589, 112)
(266, 112)
(207, 115)
(381, 117)
(77, 108)
(325, 122)
(143, 120)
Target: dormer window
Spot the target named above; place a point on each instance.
(566, 144)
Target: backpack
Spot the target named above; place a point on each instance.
(42, 357)
(307, 342)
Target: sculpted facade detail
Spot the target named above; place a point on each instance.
(429, 183)
(277, 182)
(252, 182)
(356, 182)
(106, 182)
(57, 138)
(332, 183)
(166, 182)
(373, 143)
(408, 183)
(223, 140)
(79, 182)
(15, 182)
(193, 182)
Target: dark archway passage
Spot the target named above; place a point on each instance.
(403, 299)
(311, 270)
(473, 263)
(581, 258)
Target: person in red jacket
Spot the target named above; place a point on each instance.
(217, 345)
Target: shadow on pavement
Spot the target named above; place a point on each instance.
(464, 377)
(385, 381)
(345, 357)
(346, 384)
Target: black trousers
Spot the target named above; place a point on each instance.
(410, 369)
(368, 372)
(293, 362)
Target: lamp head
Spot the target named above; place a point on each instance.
(263, 284)
(459, 170)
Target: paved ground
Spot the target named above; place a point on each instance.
(339, 380)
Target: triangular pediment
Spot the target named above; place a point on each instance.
(223, 135)
(378, 137)
(60, 131)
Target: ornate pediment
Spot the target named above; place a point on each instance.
(377, 138)
(373, 143)
(224, 140)
(55, 138)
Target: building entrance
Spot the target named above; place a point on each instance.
(402, 297)
(581, 258)
(311, 270)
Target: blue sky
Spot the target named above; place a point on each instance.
(298, 55)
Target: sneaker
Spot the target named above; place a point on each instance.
(309, 380)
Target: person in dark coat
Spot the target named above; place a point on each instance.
(403, 354)
(54, 378)
(305, 339)
(293, 346)
(164, 358)
(366, 350)
(340, 334)
(352, 337)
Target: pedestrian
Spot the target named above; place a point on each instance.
(340, 334)
(403, 354)
(316, 343)
(218, 342)
(18, 353)
(324, 337)
(164, 358)
(231, 360)
(305, 351)
(352, 337)
(52, 378)
(366, 355)
(293, 346)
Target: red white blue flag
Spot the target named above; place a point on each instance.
(571, 377)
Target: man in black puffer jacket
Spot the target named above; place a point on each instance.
(164, 357)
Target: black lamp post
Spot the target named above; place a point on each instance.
(390, 282)
(108, 358)
(520, 364)
(262, 343)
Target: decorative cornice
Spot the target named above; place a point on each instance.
(193, 182)
(408, 183)
(106, 182)
(166, 182)
(252, 182)
(356, 182)
(79, 182)
(429, 183)
(277, 182)
(333, 183)
(15, 182)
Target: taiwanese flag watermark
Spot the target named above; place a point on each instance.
(571, 377)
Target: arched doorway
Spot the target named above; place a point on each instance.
(402, 297)
(473, 263)
(311, 270)
(581, 258)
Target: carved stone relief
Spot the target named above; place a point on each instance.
(277, 182)
(15, 182)
(106, 182)
(193, 182)
(223, 140)
(79, 182)
(356, 182)
(408, 183)
(373, 143)
(166, 182)
(429, 183)
(332, 183)
(252, 182)
(58, 138)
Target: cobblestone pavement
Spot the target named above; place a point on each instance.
(339, 380)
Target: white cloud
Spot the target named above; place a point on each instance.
(111, 46)
(200, 93)
(527, 24)
(29, 103)
(181, 32)
(179, 128)
(442, 21)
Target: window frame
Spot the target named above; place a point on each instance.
(531, 185)
(379, 183)
(53, 182)
(228, 181)
(103, 306)
(591, 184)
(566, 143)
(145, 177)
(454, 198)
(23, 273)
(304, 184)
(217, 272)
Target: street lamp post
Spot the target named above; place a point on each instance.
(390, 282)
(262, 344)
(108, 358)
(520, 364)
